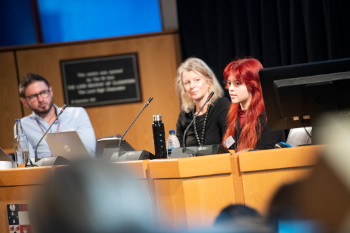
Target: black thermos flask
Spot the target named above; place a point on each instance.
(159, 137)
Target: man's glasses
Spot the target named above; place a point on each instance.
(34, 97)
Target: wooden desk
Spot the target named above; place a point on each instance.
(264, 172)
(188, 193)
(191, 192)
(17, 186)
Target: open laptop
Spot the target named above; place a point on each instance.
(67, 144)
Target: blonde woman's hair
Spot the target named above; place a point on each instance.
(197, 65)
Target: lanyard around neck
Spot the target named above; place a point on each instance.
(42, 130)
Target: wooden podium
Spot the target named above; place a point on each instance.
(17, 186)
(191, 192)
(188, 193)
(264, 172)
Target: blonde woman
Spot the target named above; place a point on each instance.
(195, 80)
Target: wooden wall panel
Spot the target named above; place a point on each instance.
(10, 105)
(158, 60)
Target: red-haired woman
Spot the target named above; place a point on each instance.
(247, 123)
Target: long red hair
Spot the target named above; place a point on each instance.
(246, 71)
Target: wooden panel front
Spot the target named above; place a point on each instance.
(14, 195)
(264, 172)
(25, 176)
(158, 61)
(18, 186)
(189, 167)
(192, 203)
(190, 192)
(9, 99)
(260, 187)
(279, 158)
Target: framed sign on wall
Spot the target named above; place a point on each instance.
(101, 80)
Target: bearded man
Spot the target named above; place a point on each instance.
(37, 95)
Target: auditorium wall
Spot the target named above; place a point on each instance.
(158, 59)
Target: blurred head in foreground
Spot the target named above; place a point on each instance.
(322, 199)
(91, 197)
(234, 211)
(242, 219)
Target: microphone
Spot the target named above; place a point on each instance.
(36, 149)
(194, 117)
(146, 104)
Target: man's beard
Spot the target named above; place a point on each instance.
(45, 111)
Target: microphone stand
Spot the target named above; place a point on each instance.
(146, 104)
(36, 149)
(31, 164)
(194, 117)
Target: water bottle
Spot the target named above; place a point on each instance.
(172, 143)
(159, 137)
(20, 144)
(20, 123)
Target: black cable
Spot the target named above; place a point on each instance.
(302, 121)
(194, 117)
(31, 163)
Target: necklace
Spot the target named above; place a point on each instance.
(200, 142)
